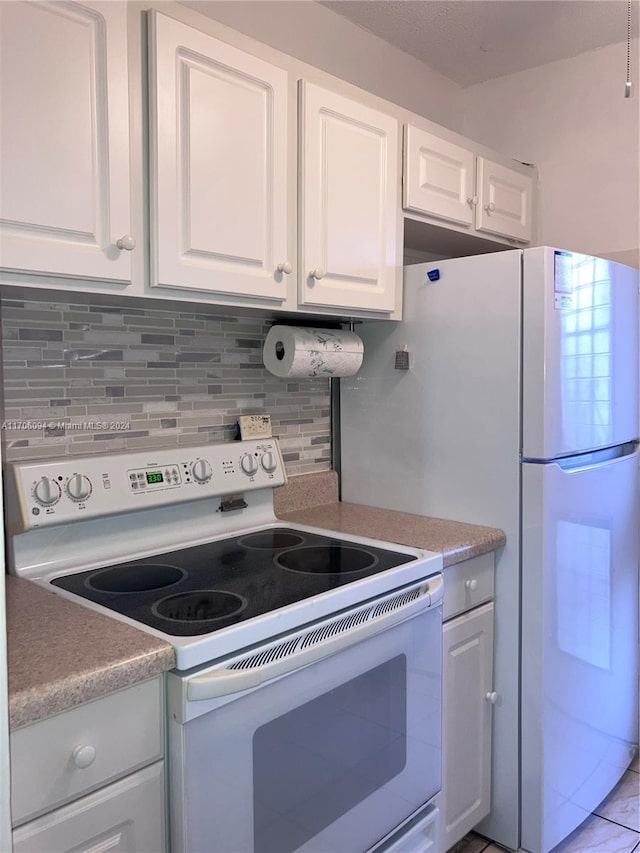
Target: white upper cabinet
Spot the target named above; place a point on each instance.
(349, 203)
(465, 191)
(64, 147)
(505, 201)
(439, 177)
(218, 139)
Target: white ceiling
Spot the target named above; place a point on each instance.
(470, 41)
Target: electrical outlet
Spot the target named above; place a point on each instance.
(402, 358)
(255, 426)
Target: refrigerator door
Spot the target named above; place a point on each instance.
(580, 353)
(579, 639)
(443, 439)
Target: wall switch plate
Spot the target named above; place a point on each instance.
(255, 426)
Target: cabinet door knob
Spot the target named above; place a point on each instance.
(84, 756)
(127, 242)
(285, 267)
(492, 697)
(490, 207)
(472, 200)
(317, 273)
(471, 585)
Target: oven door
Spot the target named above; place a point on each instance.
(328, 752)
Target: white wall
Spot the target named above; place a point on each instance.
(322, 38)
(570, 118)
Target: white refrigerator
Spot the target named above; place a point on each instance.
(519, 410)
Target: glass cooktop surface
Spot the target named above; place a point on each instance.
(206, 587)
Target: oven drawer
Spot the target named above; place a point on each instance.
(468, 584)
(53, 761)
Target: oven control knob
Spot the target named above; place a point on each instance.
(78, 488)
(201, 471)
(269, 461)
(46, 492)
(249, 464)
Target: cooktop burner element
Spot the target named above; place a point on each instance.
(134, 578)
(203, 605)
(327, 560)
(229, 580)
(271, 540)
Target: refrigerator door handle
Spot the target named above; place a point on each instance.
(597, 457)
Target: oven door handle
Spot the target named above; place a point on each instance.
(223, 682)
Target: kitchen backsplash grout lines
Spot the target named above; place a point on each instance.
(82, 379)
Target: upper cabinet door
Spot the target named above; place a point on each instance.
(349, 205)
(64, 148)
(505, 201)
(218, 134)
(439, 177)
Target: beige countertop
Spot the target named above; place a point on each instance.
(313, 499)
(455, 540)
(61, 654)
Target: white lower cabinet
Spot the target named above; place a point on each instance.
(126, 817)
(468, 700)
(92, 778)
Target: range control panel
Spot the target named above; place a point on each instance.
(72, 489)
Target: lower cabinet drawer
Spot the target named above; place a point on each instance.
(468, 584)
(125, 817)
(72, 753)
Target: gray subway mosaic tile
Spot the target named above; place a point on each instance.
(175, 377)
(36, 334)
(157, 339)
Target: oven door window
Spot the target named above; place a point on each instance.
(315, 763)
(330, 757)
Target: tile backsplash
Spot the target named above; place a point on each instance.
(82, 379)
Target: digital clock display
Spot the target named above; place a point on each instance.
(154, 477)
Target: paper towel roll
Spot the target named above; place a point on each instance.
(297, 352)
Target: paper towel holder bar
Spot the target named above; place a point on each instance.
(309, 323)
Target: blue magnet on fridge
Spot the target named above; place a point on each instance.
(433, 275)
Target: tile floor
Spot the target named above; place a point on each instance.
(614, 827)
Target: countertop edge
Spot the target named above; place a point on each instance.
(38, 702)
(61, 654)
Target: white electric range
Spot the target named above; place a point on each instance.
(305, 705)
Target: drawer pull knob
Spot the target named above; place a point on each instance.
(471, 585)
(126, 243)
(317, 273)
(285, 267)
(492, 697)
(84, 756)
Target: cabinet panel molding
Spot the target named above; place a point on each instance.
(505, 201)
(439, 177)
(218, 153)
(466, 714)
(348, 203)
(65, 181)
